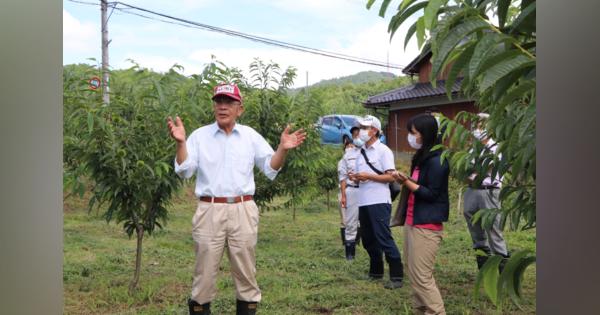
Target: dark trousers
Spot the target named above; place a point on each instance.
(376, 234)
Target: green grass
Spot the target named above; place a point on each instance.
(301, 269)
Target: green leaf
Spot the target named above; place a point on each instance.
(518, 92)
(455, 36)
(161, 95)
(501, 87)
(485, 45)
(431, 12)
(502, 11)
(457, 67)
(383, 8)
(370, 4)
(504, 68)
(526, 20)
(400, 17)
(405, 4)
(90, 122)
(420, 32)
(520, 271)
(489, 276)
(409, 33)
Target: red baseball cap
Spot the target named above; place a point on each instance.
(229, 90)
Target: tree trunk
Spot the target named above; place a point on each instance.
(138, 258)
(293, 211)
(328, 201)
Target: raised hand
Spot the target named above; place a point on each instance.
(292, 140)
(176, 129)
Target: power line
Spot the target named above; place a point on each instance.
(267, 40)
(264, 40)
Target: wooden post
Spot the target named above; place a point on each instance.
(104, 28)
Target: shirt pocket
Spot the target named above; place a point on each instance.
(243, 164)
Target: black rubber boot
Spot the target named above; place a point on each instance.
(350, 250)
(376, 269)
(481, 259)
(357, 240)
(503, 262)
(343, 234)
(246, 308)
(396, 274)
(198, 309)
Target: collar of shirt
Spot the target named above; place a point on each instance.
(215, 128)
(374, 145)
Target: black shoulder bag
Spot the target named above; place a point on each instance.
(394, 186)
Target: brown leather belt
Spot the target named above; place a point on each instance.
(236, 199)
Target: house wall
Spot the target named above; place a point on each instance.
(397, 119)
(425, 70)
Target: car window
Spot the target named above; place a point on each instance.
(349, 121)
(327, 121)
(337, 122)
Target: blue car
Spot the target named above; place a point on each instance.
(334, 128)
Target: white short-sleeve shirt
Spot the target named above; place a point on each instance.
(382, 158)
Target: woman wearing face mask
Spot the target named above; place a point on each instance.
(348, 200)
(423, 212)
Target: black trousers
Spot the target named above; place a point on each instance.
(376, 234)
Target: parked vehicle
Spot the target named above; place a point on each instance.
(334, 128)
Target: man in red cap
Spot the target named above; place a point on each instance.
(222, 155)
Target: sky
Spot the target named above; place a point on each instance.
(341, 26)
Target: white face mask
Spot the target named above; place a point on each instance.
(358, 143)
(412, 141)
(364, 135)
(478, 133)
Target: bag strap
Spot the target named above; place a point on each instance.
(364, 154)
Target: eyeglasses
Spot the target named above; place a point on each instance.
(365, 127)
(226, 101)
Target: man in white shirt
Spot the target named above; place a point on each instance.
(375, 203)
(485, 196)
(222, 156)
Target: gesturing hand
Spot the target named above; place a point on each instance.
(292, 140)
(176, 129)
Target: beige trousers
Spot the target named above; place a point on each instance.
(420, 248)
(214, 226)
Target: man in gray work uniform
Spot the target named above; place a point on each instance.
(486, 196)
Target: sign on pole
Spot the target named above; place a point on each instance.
(94, 83)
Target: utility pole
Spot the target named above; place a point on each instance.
(105, 41)
(307, 80)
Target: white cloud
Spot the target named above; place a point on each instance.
(79, 37)
(146, 44)
(156, 63)
(372, 43)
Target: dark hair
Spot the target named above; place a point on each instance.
(427, 126)
(353, 129)
(347, 141)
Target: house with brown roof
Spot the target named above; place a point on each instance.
(407, 101)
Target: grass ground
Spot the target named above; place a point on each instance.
(301, 269)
